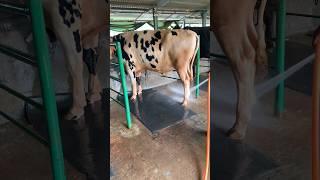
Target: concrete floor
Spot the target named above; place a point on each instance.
(274, 148)
(177, 152)
(24, 158)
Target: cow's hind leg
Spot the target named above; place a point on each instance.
(241, 53)
(186, 85)
(90, 57)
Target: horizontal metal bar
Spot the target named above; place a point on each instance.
(14, 8)
(218, 55)
(302, 15)
(117, 102)
(24, 128)
(114, 78)
(21, 96)
(19, 55)
(170, 77)
(116, 91)
(114, 64)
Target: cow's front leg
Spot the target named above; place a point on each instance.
(138, 79)
(69, 33)
(132, 75)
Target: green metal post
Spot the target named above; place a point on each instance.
(198, 73)
(41, 47)
(281, 26)
(124, 84)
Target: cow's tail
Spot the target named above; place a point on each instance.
(261, 54)
(190, 69)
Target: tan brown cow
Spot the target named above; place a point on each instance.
(77, 24)
(244, 45)
(160, 51)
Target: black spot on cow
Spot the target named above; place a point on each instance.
(153, 41)
(76, 37)
(145, 32)
(130, 55)
(147, 44)
(90, 58)
(121, 39)
(158, 34)
(134, 74)
(156, 60)
(160, 46)
(153, 66)
(135, 38)
(125, 42)
(152, 49)
(129, 45)
(150, 58)
(174, 33)
(142, 45)
(69, 11)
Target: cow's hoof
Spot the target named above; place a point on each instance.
(184, 103)
(92, 98)
(235, 135)
(133, 98)
(72, 117)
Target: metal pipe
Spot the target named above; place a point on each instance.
(114, 78)
(155, 18)
(21, 96)
(116, 91)
(41, 49)
(13, 8)
(19, 55)
(302, 15)
(204, 18)
(198, 71)
(207, 166)
(24, 128)
(315, 115)
(124, 84)
(281, 26)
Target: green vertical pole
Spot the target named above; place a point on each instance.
(281, 26)
(41, 48)
(198, 72)
(124, 84)
(155, 19)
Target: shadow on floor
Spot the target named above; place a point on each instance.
(84, 141)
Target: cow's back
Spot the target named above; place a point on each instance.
(159, 50)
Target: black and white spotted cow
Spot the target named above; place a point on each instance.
(160, 51)
(77, 24)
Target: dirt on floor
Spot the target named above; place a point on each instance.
(177, 152)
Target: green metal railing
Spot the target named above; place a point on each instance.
(35, 10)
(124, 84)
(280, 51)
